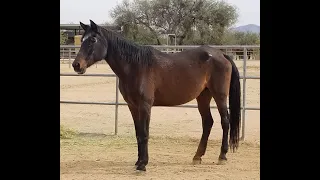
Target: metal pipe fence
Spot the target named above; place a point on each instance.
(230, 49)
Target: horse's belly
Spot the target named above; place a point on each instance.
(169, 96)
(180, 84)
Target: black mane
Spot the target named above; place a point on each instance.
(126, 50)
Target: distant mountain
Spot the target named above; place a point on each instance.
(249, 27)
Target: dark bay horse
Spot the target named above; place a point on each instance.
(149, 77)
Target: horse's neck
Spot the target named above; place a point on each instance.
(119, 67)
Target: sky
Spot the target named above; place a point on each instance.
(73, 11)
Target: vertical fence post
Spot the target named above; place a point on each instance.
(69, 57)
(116, 109)
(245, 57)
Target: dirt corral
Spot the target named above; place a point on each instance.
(175, 134)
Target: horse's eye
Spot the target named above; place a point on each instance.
(94, 40)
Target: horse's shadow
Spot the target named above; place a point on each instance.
(115, 166)
(84, 134)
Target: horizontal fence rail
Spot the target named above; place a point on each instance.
(124, 104)
(113, 75)
(185, 46)
(69, 51)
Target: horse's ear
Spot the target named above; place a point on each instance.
(94, 26)
(84, 27)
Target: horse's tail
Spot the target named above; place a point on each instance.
(234, 106)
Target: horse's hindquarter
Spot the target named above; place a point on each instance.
(179, 78)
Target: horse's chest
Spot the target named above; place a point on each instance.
(131, 92)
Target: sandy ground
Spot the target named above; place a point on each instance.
(170, 158)
(109, 157)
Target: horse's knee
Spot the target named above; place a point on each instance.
(142, 139)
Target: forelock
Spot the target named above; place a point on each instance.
(86, 36)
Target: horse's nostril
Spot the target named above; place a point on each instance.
(76, 65)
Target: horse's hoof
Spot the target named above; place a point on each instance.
(222, 161)
(141, 168)
(196, 161)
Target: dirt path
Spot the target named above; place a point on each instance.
(110, 157)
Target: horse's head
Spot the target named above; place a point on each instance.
(93, 48)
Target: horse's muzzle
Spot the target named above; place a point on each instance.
(77, 68)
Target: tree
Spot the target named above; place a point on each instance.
(247, 38)
(191, 20)
(241, 38)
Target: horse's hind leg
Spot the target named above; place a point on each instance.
(219, 89)
(204, 108)
(221, 101)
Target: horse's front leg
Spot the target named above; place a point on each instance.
(143, 134)
(135, 116)
(141, 117)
